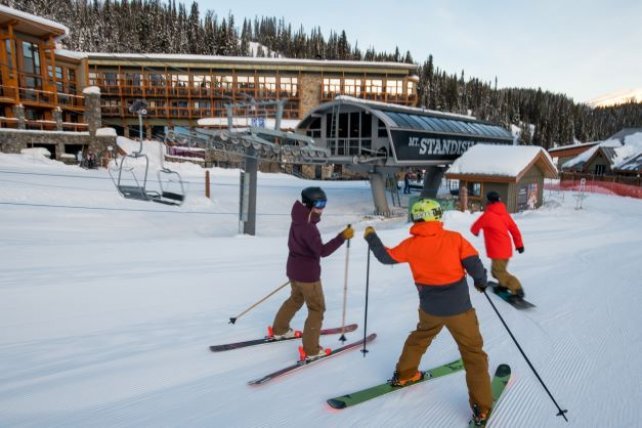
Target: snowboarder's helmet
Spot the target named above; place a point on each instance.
(313, 197)
(426, 210)
(492, 196)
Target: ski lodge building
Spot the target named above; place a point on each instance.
(361, 115)
(41, 85)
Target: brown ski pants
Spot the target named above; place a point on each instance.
(310, 293)
(504, 278)
(465, 330)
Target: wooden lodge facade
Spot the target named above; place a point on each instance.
(45, 88)
(181, 89)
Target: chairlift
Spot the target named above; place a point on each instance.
(127, 168)
(130, 184)
(172, 190)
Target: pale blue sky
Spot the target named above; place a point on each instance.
(584, 49)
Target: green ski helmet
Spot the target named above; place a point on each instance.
(426, 210)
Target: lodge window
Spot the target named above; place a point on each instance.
(31, 65)
(267, 85)
(60, 84)
(331, 86)
(600, 169)
(394, 87)
(289, 86)
(352, 87)
(9, 48)
(245, 82)
(474, 189)
(374, 86)
(156, 79)
(71, 81)
(31, 57)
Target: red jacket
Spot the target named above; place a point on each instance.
(497, 225)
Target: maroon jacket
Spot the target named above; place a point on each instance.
(306, 247)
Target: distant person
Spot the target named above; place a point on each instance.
(439, 260)
(499, 228)
(91, 160)
(79, 157)
(406, 182)
(304, 271)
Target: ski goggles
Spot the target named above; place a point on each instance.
(319, 204)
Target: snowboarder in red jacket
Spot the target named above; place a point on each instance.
(499, 228)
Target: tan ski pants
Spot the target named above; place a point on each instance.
(310, 293)
(504, 278)
(465, 330)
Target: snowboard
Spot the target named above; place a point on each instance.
(516, 302)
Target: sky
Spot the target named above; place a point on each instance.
(108, 307)
(582, 49)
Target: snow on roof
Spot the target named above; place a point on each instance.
(238, 59)
(573, 146)
(397, 107)
(631, 147)
(70, 54)
(106, 132)
(33, 19)
(91, 90)
(497, 160)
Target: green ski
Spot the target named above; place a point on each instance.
(367, 394)
(498, 384)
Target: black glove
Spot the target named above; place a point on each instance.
(481, 287)
(520, 250)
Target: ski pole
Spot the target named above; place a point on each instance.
(345, 293)
(561, 412)
(365, 321)
(233, 319)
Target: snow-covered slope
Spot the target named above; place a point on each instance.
(108, 307)
(619, 97)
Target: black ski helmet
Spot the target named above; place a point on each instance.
(310, 195)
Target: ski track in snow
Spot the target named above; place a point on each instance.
(106, 316)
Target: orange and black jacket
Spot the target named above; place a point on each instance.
(439, 260)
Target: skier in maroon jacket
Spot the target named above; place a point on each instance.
(304, 270)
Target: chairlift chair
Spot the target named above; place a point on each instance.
(137, 190)
(172, 190)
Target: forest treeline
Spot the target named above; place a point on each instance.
(154, 26)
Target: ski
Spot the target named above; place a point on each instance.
(301, 364)
(376, 391)
(498, 384)
(229, 346)
(516, 302)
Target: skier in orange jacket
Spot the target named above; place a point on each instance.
(499, 228)
(439, 260)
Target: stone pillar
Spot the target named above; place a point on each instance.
(93, 115)
(310, 87)
(19, 113)
(57, 116)
(378, 188)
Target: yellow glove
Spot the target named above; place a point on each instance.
(369, 230)
(347, 233)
